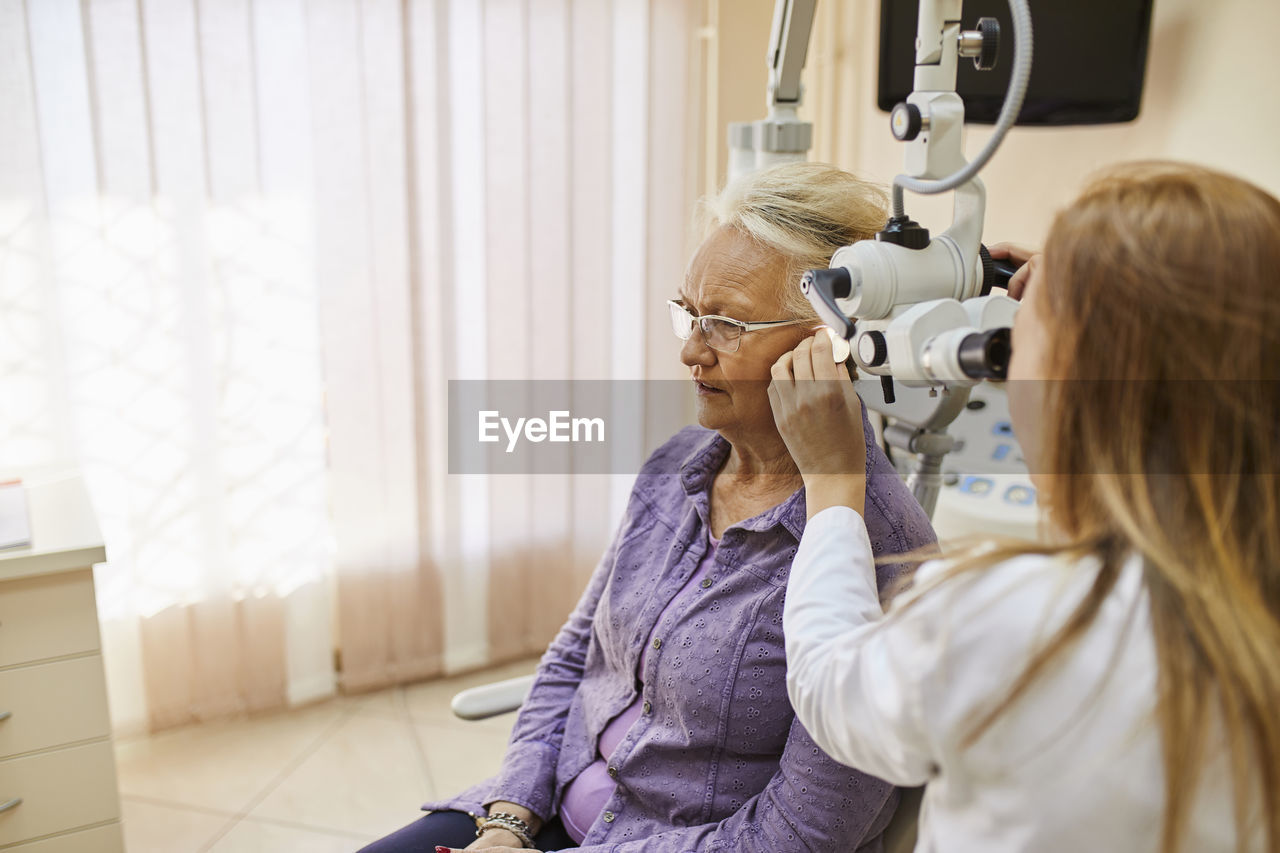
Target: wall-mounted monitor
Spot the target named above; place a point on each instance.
(1089, 63)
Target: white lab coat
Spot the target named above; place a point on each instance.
(1074, 765)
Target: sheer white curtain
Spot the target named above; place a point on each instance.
(244, 244)
(547, 145)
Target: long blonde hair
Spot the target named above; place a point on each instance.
(1162, 291)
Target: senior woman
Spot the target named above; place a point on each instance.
(659, 718)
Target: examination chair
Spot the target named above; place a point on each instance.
(501, 697)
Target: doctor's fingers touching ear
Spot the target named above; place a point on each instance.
(819, 420)
(1029, 259)
(812, 359)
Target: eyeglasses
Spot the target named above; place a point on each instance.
(721, 333)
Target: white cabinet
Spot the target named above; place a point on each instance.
(57, 770)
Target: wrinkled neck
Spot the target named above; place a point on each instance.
(767, 462)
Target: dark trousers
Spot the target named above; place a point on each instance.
(457, 830)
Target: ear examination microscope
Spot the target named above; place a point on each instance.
(917, 310)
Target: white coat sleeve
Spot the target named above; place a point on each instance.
(855, 676)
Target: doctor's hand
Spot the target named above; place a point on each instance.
(819, 416)
(1027, 259)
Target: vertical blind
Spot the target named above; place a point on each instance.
(245, 245)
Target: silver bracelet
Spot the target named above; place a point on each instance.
(517, 827)
(512, 825)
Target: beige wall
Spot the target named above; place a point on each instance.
(738, 41)
(1211, 97)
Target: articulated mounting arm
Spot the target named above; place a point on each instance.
(781, 137)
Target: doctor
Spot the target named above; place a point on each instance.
(1116, 687)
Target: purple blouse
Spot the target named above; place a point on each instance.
(716, 759)
(587, 795)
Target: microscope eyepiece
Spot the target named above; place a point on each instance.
(986, 355)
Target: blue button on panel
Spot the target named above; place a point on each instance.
(1002, 452)
(1020, 495)
(1003, 428)
(977, 485)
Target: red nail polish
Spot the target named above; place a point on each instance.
(442, 849)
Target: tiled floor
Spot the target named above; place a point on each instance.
(322, 779)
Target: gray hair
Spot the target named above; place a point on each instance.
(803, 211)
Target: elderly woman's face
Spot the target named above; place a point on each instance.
(733, 276)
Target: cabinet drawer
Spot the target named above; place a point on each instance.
(52, 703)
(60, 790)
(100, 839)
(47, 616)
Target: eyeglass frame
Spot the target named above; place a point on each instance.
(742, 325)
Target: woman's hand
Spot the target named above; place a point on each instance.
(1027, 259)
(501, 845)
(494, 840)
(819, 417)
(497, 839)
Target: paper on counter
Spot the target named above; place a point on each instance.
(15, 524)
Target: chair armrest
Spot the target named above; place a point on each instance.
(490, 700)
(900, 835)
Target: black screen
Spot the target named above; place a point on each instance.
(1090, 58)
